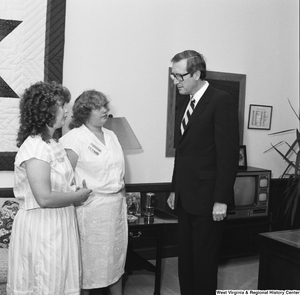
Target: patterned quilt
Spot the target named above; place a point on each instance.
(31, 50)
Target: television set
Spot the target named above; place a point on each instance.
(251, 194)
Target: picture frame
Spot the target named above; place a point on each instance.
(260, 117)
(243, 157)
(133, 201)
(234, 84)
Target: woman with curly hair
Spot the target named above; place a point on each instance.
(44, 255)
(96, 155)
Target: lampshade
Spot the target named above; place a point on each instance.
(123, 131)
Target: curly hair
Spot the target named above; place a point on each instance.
(85, 103)
(195, 62)
(38, 108)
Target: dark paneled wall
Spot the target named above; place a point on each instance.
(241, 236)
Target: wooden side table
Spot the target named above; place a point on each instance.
(148, 229)
(279, 261)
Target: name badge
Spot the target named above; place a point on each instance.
(93, 150)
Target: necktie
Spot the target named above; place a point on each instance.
(187, 115)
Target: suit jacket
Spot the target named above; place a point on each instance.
(206, 158)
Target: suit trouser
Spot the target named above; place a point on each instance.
(199, 242)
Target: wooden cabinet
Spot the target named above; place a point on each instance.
(240, 236)
(279, 262)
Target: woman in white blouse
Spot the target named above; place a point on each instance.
(44, 252)
(96, 156)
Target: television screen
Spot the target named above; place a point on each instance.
(244, 190)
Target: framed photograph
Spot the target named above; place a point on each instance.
(243, 157)
(133, 201)
(234, 84)
(260, 117)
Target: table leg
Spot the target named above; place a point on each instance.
(158, 261)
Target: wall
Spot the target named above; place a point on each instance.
(123, 48)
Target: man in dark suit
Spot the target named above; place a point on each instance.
(205, 167)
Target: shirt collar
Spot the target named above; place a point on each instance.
(200, 92)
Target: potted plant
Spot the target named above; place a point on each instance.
(290, 201)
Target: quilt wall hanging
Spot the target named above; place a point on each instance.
(32, 36)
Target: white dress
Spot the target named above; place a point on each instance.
(102, 219)
(44, 253)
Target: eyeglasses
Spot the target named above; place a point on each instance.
(178, 77)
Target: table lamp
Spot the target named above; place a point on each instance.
(123, 131)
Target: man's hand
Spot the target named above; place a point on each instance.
(171, 201)
(219, 211)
